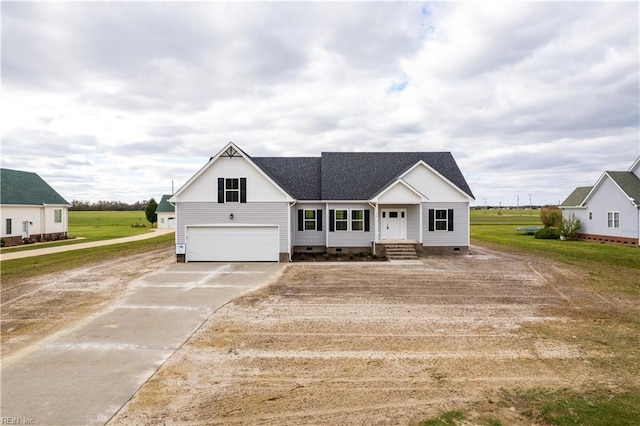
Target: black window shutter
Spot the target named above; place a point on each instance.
(432, 220)
(319, 220)
(243, 190)
(366, 221)
(332, 215)
(300, 220)
(450, 220)
(221, 190)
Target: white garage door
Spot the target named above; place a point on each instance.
(249, 243)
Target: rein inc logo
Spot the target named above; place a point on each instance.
(17, 421)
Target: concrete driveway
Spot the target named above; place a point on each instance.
(86, 373)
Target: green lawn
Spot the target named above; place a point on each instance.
(14, 271)
(96, 226)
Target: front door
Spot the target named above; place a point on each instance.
(25, 229)
(393, 224)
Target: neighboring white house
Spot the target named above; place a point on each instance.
(166, 213)
(609, 210)
(242, 208)
(30, 209)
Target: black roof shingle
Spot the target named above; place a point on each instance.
(352, 175)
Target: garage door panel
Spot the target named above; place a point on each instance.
(233, 244)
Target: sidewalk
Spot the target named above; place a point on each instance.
(80, 246)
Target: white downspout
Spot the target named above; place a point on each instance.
(420, 213)
(326, 227)
(291, 228)
(375, 225)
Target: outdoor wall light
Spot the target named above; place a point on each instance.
(231, 216)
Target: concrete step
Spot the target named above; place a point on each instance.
(400, 252)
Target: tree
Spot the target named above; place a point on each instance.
(150, 211)
(551, 217)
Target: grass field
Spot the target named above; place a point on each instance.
(95, 226)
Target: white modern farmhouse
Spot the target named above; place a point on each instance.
(242, 208)
(609, 210)
(31, 210)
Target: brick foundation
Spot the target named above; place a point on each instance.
(453, 250)
(607, 239)
(36, 238)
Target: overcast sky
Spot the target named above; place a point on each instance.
(113, 101)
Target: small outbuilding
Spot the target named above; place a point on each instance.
(31, 210)
(166, 213)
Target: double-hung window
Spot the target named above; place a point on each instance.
(232, 190)
(357, 220)
(57, 215)
(613, 219)
(309, 220)
(342, 220)
(441, 220)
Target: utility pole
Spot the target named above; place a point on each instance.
(530, 205)
(485, 205)
(517, 202)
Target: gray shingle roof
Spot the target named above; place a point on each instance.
(577, 196)
(352, 175)
(164, 206)
(26, 188)
(629, 183)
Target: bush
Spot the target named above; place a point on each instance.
(548, 233)
(570, 228)
(551, 217)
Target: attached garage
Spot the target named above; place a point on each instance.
(232, 243)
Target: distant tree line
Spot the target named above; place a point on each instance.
(107, 206)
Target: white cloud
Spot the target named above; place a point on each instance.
(530, 97)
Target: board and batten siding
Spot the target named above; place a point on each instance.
(309, 238)
(218, 214)
(351, 238)
(433, 186)
(205, 186)
(609, 198)
(459, 237)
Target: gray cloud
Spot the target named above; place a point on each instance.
(530, 97)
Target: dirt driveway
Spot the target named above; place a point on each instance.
(382, 344)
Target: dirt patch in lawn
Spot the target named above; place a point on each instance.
(35, 308)
(393, 344)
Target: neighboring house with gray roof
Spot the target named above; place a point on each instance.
(243, 208)
(166, 213)
(31, 210)
(609, 210)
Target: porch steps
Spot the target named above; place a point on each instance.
(400, 251)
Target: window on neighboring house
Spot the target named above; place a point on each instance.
(8, 227)
(590, 215)
(232, 190)
(57, 215)
(342, 219)
(613, 219)
(162, 220)
(357, 220)
(440, 220)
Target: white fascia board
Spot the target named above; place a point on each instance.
(213, 160)
(454, 186)
(399, 181)
(597, 185)
(635, 165)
